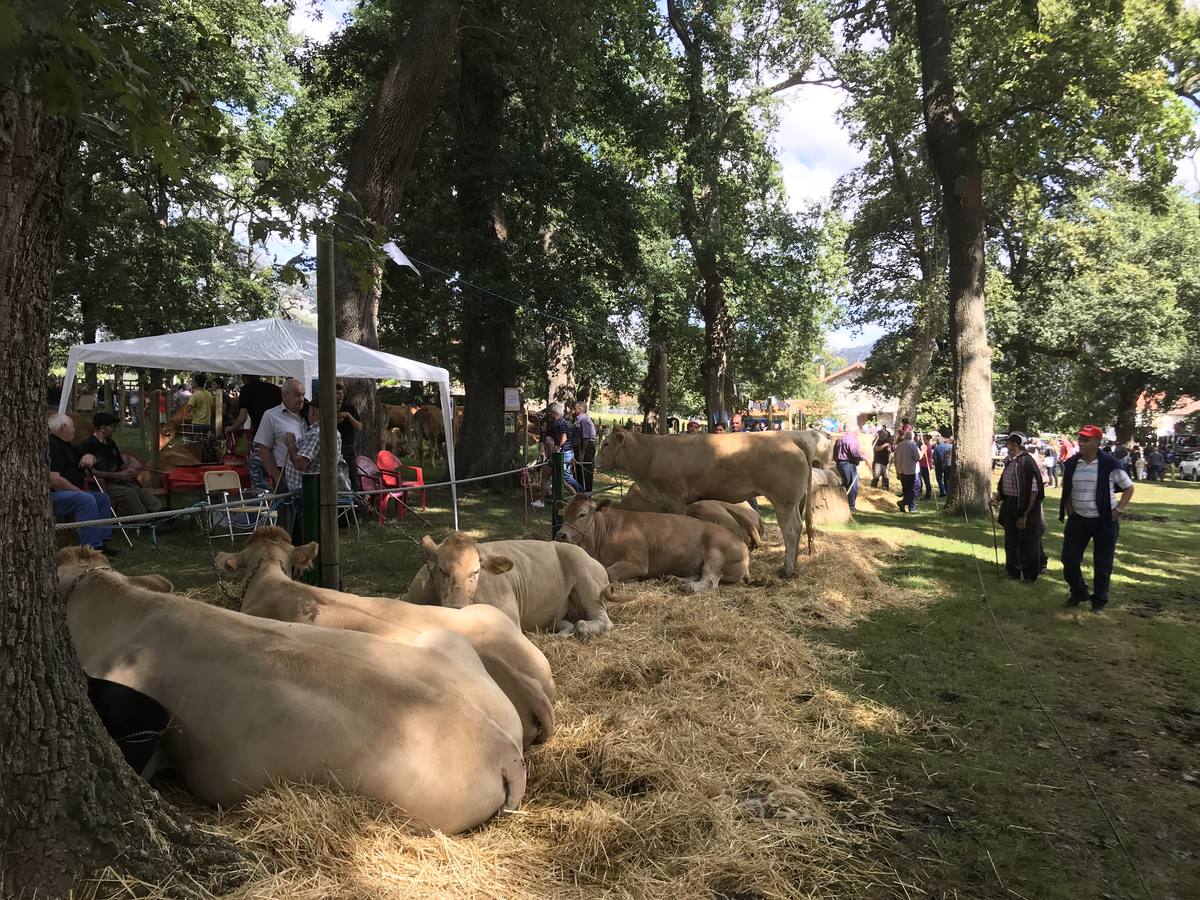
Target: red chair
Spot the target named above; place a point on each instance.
(391, 474)
(369, 480)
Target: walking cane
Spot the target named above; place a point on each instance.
(995, 545)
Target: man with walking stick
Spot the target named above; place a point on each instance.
(1019, 496)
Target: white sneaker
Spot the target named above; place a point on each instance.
(537, 504)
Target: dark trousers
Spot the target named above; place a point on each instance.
(908, 491)
(940, 473)
(849, 473)
(1103, 535)
(928, 485)
(587, 463)
(1022, 546)
(352, 464)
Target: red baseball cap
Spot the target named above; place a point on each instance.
(1091, 431)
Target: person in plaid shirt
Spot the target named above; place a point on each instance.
(303, 456)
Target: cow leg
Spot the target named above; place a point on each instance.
(562, 626)
(789, 524)
(626, 570)
(598, 624)
(589, 599)
(710, 572)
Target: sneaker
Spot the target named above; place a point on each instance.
(1098, 610)
(1072, 601)
(110, 552)
(537, 504)
(900, 506)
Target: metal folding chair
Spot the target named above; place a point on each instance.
(227, 485)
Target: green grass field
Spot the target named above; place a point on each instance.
(986, 800)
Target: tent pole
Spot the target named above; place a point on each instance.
(327, 375)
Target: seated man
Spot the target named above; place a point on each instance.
(66, 485)
(129, 497)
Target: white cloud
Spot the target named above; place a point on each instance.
(318, 20)
(812, 146)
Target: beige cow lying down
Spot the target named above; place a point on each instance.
(516, 665)
(540, 585)
(646, 544)
(739, 519)
(420, 725)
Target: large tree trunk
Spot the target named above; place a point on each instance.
(912, 385)
(489, 354)
(379, 162)
(952, 139)
(69, 805)
(1127, 396)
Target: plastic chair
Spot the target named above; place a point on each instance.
(228, 485)
(391, 475)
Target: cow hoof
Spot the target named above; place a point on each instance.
(565, 628)
(784, 573)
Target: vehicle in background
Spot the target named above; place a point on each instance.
(1189, 467)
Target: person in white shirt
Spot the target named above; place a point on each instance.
(1096, 490)
(270, 438)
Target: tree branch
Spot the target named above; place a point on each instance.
(679, 26)
(793, 80)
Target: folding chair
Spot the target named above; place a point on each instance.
(241, 519)
(392, 475)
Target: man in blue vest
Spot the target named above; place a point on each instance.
(1092, 508)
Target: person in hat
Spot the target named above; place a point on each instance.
(1095, 491)
(1019, 496)
(128, 497)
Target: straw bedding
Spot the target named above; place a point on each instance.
(700, 753)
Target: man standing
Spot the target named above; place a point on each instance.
(1019, 496)
(881, 454)
(270, 439)
(908, 462)
(66, 485)
(254, 399)
(1156, 464)
(349, 425)
(129, 497)
(846, 456)
(1092, 510)
(926, 465)
(303, 455)
(201, 403)
(941, 462)
(587, 444)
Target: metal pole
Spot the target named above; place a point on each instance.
(155, 432)
(662, 389)
(557, 489)
(327, 375)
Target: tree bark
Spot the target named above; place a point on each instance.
(929, 326)
(379, 162)
(69, 805)
(1127, 397)
(489, 354)
(952, 139)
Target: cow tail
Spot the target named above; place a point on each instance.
(808, 511)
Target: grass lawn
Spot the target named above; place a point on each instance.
(988, 801)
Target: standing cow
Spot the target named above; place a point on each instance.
(675, 470)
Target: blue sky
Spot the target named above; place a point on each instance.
(812, 146)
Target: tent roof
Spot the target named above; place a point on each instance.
(263, 347)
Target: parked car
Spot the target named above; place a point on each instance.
(1189, 467)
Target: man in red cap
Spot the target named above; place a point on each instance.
(1095, 491)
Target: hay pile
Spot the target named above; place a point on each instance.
(700, 753)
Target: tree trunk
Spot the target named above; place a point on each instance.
(656, 329)
(718, 337)
(69, 805)
(560, 364)
(489, 354)
(912, 386)
(1127, 397)
(952, 139)
(379, 162)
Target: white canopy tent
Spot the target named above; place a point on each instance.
(268, 347)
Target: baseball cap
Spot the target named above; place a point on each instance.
(1090, 431)
(103, 419)
(1015, 437)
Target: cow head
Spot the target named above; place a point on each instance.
(455, 566)
(580, 519)
(266, 547)
(609, 456)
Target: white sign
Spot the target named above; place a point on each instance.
(512, 400)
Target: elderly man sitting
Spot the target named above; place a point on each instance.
(129, 497)
(66, 485)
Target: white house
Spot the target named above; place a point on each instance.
(855, 405)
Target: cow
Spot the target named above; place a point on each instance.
(817, 444)
(539, 585)
(677, 469)
(430, 429)
(396, 422)
(253, 701)
(516, 665)
(738, 518)
(647, 544)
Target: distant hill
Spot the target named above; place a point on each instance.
(857, 353)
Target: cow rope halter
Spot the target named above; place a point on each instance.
(591, 525)
(82, 575)
(246, 582)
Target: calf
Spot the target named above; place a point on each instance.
(516, 665)
(537, 584)
(646, 544)
(420, 725)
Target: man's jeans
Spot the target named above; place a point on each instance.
(908, 486)
(1103, 535)
(81, 507)
(940, 472)
(568, 458)
(879, 472)
(849, 473)
(928, 492)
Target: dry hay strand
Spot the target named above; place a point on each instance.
(878, 498)
(700, 753)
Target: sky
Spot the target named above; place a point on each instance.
(812, 146)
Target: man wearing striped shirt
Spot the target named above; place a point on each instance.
(1096, 490)
(1019, 496)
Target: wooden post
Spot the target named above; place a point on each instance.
(662, 389)
(327, 374)
(155, 431)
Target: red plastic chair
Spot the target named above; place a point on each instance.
(369, 480)
(391, 473)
